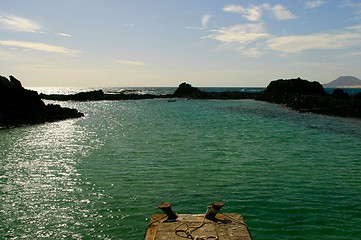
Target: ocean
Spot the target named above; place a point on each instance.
(291, 175)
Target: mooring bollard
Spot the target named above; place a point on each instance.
(167, 209)
(214, 209)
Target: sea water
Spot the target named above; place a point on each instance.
(291, 175)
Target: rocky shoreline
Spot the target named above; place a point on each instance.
(184, 90)
(298, 94)
(99, 95)
(20, 106)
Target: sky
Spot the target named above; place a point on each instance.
(162, 43)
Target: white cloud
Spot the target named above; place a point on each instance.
(63, 34)
(205, 20)
(354, 28)
(314, 4)
(241, 37)
(241, 34)
(18, 24)
(234, 8)
(280, 12)
(39, 47)
(251, 52)
(253, 40)
(298, 44)
(254, 13)
(128, 62)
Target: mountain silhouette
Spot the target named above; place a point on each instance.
(344, 82)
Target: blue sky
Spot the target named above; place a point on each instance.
(100, 43)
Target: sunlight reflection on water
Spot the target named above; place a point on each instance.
(41, 181)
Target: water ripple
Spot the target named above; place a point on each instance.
(292, 176)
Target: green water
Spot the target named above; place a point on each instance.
(291, 175)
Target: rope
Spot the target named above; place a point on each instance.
(152, 223)
(188, 231)
(237, 220)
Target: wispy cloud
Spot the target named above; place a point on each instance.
(255, 12)
(355, 5)
(242, 33)
(63, 34)
(241, 37)
(205, 20)
(129, 62)
(253, 40)
(279, 11)
(39, 47)
(351, 3)
(252, 13)
(355, 28)
(299, 44)
(18, 24)
(314, 4)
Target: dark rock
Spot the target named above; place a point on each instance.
(340, 94)
(298, 94)
(289, 91)
(279, 89)
(16, 83)
(20, 106)
(99, 95)
(186, 90)
(306, 96)
(357, 96)
(81, 96)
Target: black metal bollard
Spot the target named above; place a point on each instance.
(213, 210)
(167, 209)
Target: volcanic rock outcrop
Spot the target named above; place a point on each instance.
(20, 106)
(306, 96)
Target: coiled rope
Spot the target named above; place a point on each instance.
(187, 232)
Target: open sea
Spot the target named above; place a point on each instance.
(291, 175)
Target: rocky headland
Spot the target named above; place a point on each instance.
(306, 96)
(20, 106)
(298, 94)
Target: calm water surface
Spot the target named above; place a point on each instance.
(291, 175)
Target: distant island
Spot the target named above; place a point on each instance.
(344, 82)
(20, 106)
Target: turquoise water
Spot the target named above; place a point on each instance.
(291, 175)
